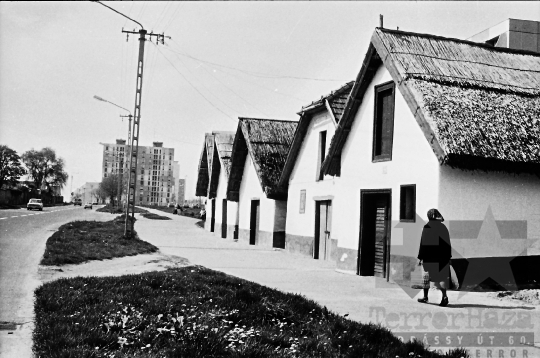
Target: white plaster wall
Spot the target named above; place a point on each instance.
(250, 188)
(303, 177)
(413, 162)
(466, 195)
(221, 193)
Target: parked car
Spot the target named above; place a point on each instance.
(88, 205)
(35, 204)
(95, 203)
(77, 202)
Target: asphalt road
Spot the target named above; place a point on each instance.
(23, 235)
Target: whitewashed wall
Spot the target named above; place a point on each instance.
(413, 162)
(303, 177)
(250, 189)
(221, 193)
(466, 195)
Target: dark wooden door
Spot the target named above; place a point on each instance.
(213, 217)
(374, 224)
(254, 222)
(322, 247)
(224, 219)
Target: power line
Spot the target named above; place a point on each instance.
(230, 89)
(223, 102)
(257, 85)
(195, 88)
(256, 74)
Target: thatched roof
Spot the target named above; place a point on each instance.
(477, 105)
(267, 141)
(223, 142)
(334, 103)
(216, 153)
(205, 165)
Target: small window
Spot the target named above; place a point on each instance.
(302, 201)
(407, 203)
(383, 124)
(322, 154)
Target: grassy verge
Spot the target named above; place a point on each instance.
(197, 312)
(155, 216)
(81, 241)
(116, 210)
(191, 212)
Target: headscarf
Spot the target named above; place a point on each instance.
(434, 214)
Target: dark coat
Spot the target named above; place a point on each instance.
(435, 243)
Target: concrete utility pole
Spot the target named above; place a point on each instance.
(134, 148)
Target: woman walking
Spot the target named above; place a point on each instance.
(434, 255)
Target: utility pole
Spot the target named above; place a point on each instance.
(121, 182)
(134, 148)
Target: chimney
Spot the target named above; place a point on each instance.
(157, 144)
(121, 141)
(512, 33)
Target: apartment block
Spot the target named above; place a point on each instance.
(155, 177)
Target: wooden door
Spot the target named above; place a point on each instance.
(224, 219)
(374, 232)
(381, 227)
(254, 222)
(322, 246)
(213, 217)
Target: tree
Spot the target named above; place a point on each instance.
(45, 167)
(11, 168)
(109, 186)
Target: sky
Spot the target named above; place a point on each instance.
(224, 60)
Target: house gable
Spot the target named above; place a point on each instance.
(439, 78)
(203, 176)
(334, 104)
(221, 155)
(267, 141)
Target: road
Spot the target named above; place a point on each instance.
(23, 235)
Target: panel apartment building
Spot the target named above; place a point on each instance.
(155, 175)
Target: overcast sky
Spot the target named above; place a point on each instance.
(225, 60)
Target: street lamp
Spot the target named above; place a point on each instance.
(129, 143)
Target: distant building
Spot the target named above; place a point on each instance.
(155, 177)
(181, 191)
(85, 192)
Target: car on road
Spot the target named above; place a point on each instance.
(88, 205)
(78, 202)
(35, 204)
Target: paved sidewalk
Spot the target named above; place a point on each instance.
(365, 299)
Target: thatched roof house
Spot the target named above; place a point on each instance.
(334, 103)
(205, 165)
(478, 106)
(216, 153)
(267, 141)
(223, 142)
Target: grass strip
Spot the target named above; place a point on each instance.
(197, 312)
(155, 216)
(116, 210)
(81, 241)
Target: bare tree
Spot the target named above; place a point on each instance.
(11, 168)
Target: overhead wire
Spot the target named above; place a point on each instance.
(253, 73)
(173, 16)
(195, 88)
(258, 85)
(231, 90)
(225, 104)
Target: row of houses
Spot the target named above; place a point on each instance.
(429, 122)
